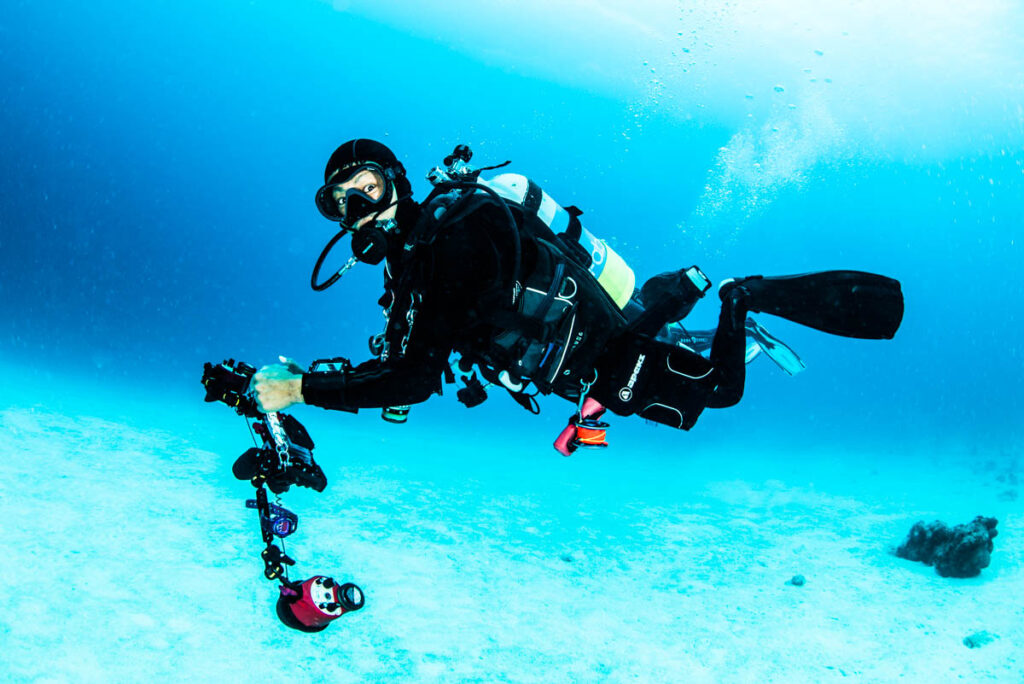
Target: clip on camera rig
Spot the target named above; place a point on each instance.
(284, 458)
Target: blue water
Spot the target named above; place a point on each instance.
(158, 163)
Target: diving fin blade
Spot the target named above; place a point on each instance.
(848, 303)
(774, 348)
(753, 351)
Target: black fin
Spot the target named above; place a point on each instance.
(847, 303)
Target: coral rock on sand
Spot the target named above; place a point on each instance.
(978, 639)
(958, 552)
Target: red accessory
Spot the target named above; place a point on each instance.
(584, 429)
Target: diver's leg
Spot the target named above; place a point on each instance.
(848, 303)
(729, 350)
(669, 297)
(655, 380)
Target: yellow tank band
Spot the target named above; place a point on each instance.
(617, 278)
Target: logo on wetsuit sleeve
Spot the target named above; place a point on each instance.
(626, 393)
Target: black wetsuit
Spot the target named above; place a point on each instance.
(471, 273)
(467, 271)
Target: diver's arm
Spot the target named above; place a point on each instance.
(375, 384)
(370, 385)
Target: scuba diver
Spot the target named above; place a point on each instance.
(500, 274)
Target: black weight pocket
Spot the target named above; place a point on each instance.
(535, 335)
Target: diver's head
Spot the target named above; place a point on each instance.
(357, 200)
(366, 191)
(363, 180)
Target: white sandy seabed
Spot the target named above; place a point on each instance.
(130, 557)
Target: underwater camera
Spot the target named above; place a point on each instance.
(285, 458)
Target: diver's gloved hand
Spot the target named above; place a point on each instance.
(278, 386)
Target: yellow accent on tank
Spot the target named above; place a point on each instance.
(617, 278)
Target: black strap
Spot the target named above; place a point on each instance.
(534, 196)
(549, 298)
(527, 401)
(491, 168)
(575, 229)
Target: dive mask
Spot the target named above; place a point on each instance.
(355, 193)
